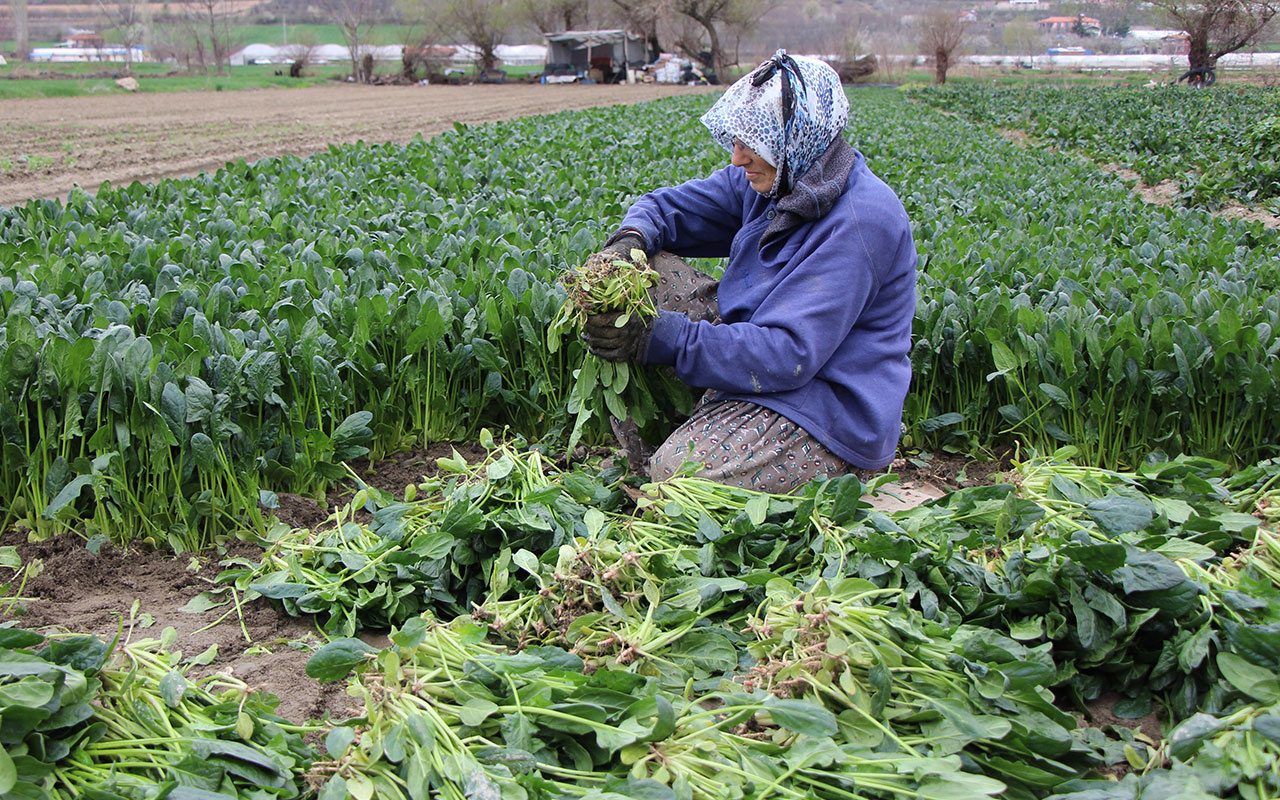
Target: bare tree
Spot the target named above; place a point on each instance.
(127, 19)
(355, 20)
(299, 54)
(1217, 27)
(942, 31)
(649, 18)
(425, 58)
(853, 60)
(216, 16)
(1020, 36)
(888, 49)
(183, 36)
(480, 23)
(712, 15)
(741, 21)
(21, 35)
(549, 16)
(686, 36)
(204, 30)
(708, 14)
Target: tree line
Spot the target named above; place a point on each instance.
(200, 34)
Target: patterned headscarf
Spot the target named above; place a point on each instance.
(788, 110)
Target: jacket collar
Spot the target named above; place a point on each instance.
(816, 192)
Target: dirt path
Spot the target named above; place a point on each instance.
(54, 144)
(1166, 194)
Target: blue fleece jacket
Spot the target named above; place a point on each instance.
(816, 322)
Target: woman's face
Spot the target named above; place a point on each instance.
(760, 173)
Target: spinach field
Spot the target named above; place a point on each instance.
(182, 358)
(1216, 146)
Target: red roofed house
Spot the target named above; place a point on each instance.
(1091, 26)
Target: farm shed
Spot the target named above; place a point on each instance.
(612, 51)
(85, 39)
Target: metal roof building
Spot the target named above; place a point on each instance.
(586, 49)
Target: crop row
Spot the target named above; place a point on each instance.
(1057, 305)
(175, 353)
(1217, 145)
(263, 324)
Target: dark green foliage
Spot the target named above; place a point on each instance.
(1167, 133)
(1058, 308)
(170, 350)
(775, 637)
(176, 354)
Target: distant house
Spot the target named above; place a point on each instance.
(430, 53)
(85, 39)
(1092, 27)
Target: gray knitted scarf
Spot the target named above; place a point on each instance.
(816, 192)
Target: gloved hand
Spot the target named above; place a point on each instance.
(606, 340)
(622, 246)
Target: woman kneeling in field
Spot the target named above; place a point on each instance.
(803, 344)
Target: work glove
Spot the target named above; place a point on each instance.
(612, 343)
(621, 245)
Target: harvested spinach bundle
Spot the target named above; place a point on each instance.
(84, 718)
(651, 396)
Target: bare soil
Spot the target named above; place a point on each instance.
(83, 593)
(56, 144)
(90, 14)
(1166, 193)
(1102, 715)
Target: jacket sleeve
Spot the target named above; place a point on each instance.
(790, 336)
(697, 218)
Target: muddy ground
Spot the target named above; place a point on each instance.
(54, 144)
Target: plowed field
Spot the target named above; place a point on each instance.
(55, 144)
